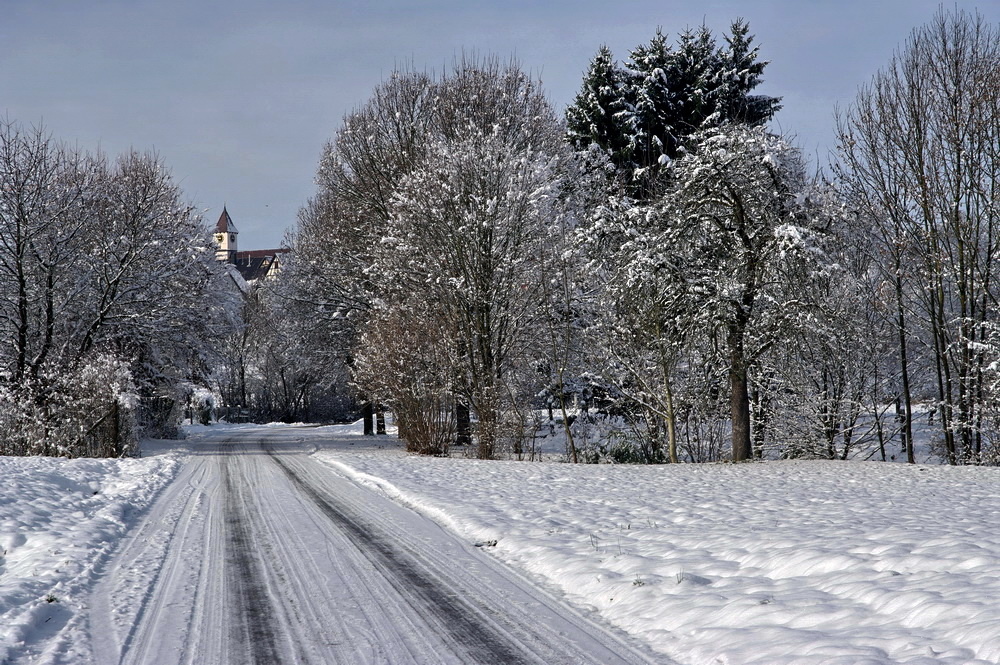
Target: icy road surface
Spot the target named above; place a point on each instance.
(260, 553)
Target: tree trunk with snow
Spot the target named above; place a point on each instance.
(739, 398)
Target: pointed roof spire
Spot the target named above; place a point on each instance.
(225, 223)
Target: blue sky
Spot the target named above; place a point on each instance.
(238, 97)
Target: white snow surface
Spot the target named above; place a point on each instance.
(59, 522)
(764, 563)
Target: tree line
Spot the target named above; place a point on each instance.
(652, 276)
(107, 298)
(660, 258)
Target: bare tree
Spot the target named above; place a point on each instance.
(469, 223)
(920, 150)
(340, 229)
(641, 337)
(745, 226)
(43, 221)
(105, 280)
(406, 361)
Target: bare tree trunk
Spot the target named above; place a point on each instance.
(367, 415)
(116, 433)
(907, 414)
(740, 406)
(463, 423)
(739, 398)
(671, 424)
(566, 422)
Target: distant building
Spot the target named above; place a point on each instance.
(254, 265)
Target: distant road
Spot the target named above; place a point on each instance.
(259, 553)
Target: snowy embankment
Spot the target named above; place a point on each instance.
(772, 563)
(59, 521)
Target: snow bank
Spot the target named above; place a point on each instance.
(59, 520)
(775, 563)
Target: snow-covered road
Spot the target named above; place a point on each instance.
(260, 553)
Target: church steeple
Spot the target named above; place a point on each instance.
(225, 238)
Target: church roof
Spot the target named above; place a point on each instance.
(260, 253)
(256, 264)
(225, 223)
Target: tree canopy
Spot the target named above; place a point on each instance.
(642, 113)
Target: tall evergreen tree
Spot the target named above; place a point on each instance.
(697, 78)
(644, 112)
(599, 111)
(740, 72)
(653, 129)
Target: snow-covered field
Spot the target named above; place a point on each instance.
(59, 521)
(772, 563)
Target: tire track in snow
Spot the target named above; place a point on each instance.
(140, 635)
(142, 570)
(483, 641)
(260, 553)
(245, 581)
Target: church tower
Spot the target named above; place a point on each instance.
(225, 238)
